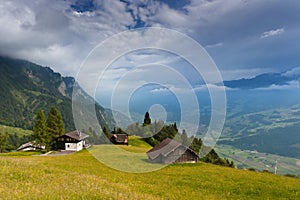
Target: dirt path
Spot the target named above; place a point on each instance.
(58, 153)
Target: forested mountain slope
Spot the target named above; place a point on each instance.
(26, 87)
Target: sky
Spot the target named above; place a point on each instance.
(244, 38)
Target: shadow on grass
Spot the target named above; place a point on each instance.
(124, 160)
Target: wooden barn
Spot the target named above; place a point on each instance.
(171, 151)
(119, 139)
(30, 146)
(72, 141)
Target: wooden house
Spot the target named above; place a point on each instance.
(72, 141)
(30, 146)
(171, 151)
(119, 139)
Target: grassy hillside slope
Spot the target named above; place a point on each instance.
(81, 176)
(137, 142)
(14, 130)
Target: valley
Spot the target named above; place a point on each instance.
(274, 131)
(247, 159)
(152, 99)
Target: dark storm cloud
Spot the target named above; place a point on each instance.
(239, 34)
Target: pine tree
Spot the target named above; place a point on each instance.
(55, 125)
(147, 119)
(40, 129)
(184, 138)
(196, 144)
(106, 132)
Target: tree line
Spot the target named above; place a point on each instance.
(155, 132)
(12, 141)
(46, 130)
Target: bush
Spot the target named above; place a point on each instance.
(266, 171)
(291, 175)
(44, 151)
(152, 141)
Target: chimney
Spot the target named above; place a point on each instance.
(79, 133)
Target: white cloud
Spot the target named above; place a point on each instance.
(290, 86)
(145, 57)
(160, 90)
(214, 45)
(211, 87)
(272, 33)
(292, 72)
(170, 18)
(251, 72)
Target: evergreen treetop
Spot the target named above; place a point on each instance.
(55, 125)
(147, 119)
(40, 129)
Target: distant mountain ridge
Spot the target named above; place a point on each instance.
(263, 81)
(26, 87)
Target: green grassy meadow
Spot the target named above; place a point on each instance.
(82, 176)
(13, 130)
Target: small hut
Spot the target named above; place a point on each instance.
(121, 139)
(171, 151)
(30, 146)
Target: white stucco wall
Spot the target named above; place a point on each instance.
(28, 149)
(74, 146)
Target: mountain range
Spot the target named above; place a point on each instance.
(26, 87)
(263, 112)
(265, 80)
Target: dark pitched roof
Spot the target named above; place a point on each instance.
(120, 137)
(77, 135)
(165, 147)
